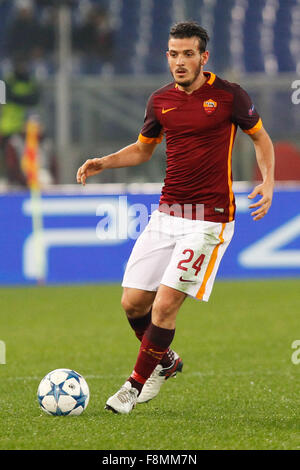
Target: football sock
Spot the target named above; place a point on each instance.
(140, 325)
(168, 359)
(155, 344)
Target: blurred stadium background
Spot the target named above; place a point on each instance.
(91, 66)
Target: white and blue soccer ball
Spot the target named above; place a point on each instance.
(63, 392)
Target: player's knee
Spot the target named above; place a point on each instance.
(133, 308)
(127, 305)
(163, 311)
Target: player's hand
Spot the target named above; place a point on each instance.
(91, 167)
(263, 205)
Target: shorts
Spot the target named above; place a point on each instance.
(180, 253)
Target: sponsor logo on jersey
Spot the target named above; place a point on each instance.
(210, 106)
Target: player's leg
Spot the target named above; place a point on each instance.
(154, 345)
(158, 336)
(161, 332)
(137, 304)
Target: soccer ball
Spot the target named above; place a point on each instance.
(63, 392)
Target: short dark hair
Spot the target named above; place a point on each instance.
(190, 29)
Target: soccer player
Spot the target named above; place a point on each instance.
(180, 250)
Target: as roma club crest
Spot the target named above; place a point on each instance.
(210, 106)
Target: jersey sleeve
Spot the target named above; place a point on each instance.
(244, 113)
(152, 130)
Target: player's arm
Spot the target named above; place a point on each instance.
(132, 155)
(265, 159)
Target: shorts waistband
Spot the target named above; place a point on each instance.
(195, 212)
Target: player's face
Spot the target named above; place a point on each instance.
(185, 60)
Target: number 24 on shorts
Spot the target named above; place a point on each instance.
(196, 265)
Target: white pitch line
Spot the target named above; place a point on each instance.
(186, 374)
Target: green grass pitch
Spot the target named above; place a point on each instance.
(239, 388)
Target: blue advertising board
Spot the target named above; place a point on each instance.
(88, 238)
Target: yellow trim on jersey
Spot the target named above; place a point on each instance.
(229, 163)
(151, 140)
(211, 265)
(255, 128)
(211, 79)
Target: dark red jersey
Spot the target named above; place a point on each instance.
(200, 129)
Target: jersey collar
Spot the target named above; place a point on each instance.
(211, 78)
